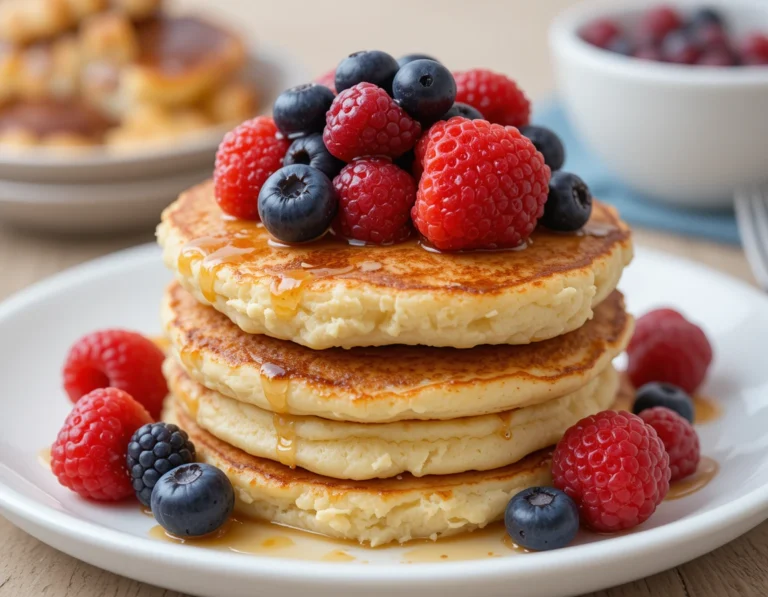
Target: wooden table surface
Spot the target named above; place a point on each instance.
(509, 36)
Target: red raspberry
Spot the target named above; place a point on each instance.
(666, 347)
(375, 200)
(328, 79)
(118, 359)
(679, 437)
(614, 467)
(600, 33)
(484, 186)
(247, 157)
(498, 97)
(365, 121)
(754, 49)
(89, 453)
(420, 151)
(658, 22)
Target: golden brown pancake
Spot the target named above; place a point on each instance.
(328, 293)
(47, 119)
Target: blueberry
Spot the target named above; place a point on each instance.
(370, 66)
(425, 89)
(297, 203)
(311, 151)
(705, 16)
(193, 500)
(155, 449)
(301, 110)
(548, 143)
(402, 61)
(464, 110)
(542, 518)
(569, 203)
(667, 395)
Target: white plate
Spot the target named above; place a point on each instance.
(271, 70)
(37, 327)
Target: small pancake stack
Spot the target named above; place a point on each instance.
(385, 393)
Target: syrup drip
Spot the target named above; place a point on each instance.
(505, 430)
(707, 471)
(707, 410)
(286, 292)
(286, 439)
(44, 457)
(275, 385)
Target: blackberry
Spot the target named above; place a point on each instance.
(155, 449)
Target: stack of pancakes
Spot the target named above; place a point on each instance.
(390, 393)
(121, 72)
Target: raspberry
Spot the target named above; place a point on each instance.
(328, 79)
(754, 49)
(118, 359)
(375, 200)
(600, 33)
(484, 186)
(614, 467)
(658, 22)
(247, 157)
(365, 121)
(497, 97)
(668, 348)
(679, 437)
(420, 151)
(89, 453)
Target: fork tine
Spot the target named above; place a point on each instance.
(752, 217)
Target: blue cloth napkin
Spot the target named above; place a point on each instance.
(717, 225)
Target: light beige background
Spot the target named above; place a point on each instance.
(509, 36)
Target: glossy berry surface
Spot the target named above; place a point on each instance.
(569, 203)
(680, 440)
(369, 66)
(311, 151)
(483, 186)
(615, 467)
(542, 518)
(375, 200)
(548, 143)
(365, 121)
(301, 110)
(89, 453)
(155, 449)
(297, 204)
(669, 396)
(193, 500)
(425, 89)
(754, 49)
(408, 58)
(668, 348)
(463, 110)
(496, 96)
(119, 359)
(246, 158)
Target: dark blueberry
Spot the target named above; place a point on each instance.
(548, 143)
(680, 48)
(464, 110)
(193, 500)
(425, 89)
(405, 161)
(311, 151)
(297, 204)
(542, 518)
(569, 203)
(402, 61)
(370, 66)
(621, 45)
(301, 110)
(667, 395)
(706, 16)
(155, 449)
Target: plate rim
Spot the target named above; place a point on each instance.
(751, 506)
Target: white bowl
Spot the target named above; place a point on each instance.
(686, 135)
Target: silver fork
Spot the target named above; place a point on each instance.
(752, 217)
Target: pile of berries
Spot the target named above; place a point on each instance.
(110, 448)
(380, 149)
(611, 470)
(664, 34)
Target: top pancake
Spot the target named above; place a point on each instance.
(328, 293)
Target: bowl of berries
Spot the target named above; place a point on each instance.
(671, 97)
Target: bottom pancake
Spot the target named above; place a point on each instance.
(373, 512)
(344, 450)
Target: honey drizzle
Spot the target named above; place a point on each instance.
(706, 409)
(706, 471)
(275, 385)
(505, 430)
